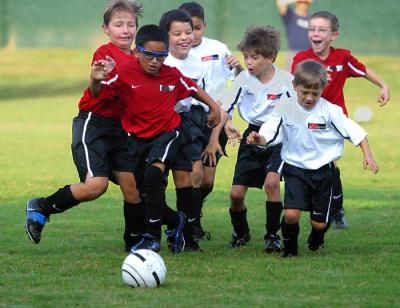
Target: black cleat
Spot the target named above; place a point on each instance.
(193, 246)
(339, 221)
(148, 242)
(175, 239)
(315, 242)
(131, 239)
(286, 254)
(273, 244)
(199, 234)
(36, 218)
(239, 241)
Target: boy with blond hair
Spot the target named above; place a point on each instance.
(340, 64)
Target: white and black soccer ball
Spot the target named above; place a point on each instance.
(144, 268)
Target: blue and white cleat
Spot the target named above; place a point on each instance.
(148, 242)
(35, 220)
(175, 238)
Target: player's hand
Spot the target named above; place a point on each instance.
(101, 68)
(234, 135)
(209, 154)
(232, 61)
(384, 96)
(255, 138)
(214, 118)
(370, 163)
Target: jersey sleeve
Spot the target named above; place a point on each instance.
(345, 126)
(185, 86)
(272, 129)
(355, 67)
(230, 97)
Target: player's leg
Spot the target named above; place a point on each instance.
(134, 211)
(321, 205)
(290, 232)
(273, 207)
(238, 214)
(339, 220)
(38, 210)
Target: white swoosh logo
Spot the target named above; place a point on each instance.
(191, 219)
(134, 87)
(154, 220)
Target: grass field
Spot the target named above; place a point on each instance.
(78, 261)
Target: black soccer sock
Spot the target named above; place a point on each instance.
(185, 204)
(273, 210)
(205, 191)
(198, 204)
(135, 216)
(239, 222)
(155, 200)
(290, 234)
(337, 193)
(60, 201)
(170, 218)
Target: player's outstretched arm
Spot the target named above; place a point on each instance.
(214, 118)
(234, 62)
(98, 73)
(384, 94)
(368, 160)
(256, 138)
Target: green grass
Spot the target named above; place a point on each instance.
(78, 261)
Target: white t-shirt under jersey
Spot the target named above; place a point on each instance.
(310, 138)
(213, 54)
(254, 100)
(194, 69)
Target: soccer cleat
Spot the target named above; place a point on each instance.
(192, 246)
(148, 242)
(175, 239)
(239, 241)
(199, 234)
(36, 218)
(339, 220)
(131, 239)
(286, 254)
(273, 244)
(315, 242)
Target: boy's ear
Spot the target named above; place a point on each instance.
(105, 29)
(136, 52)
(334, 35)
(205, 25)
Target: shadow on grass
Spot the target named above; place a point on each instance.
(45, 89)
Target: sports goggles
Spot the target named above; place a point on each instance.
(152, 54)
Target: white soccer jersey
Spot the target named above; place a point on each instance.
(213, 54)
(194, 69)
(254, 100)
(310, 138)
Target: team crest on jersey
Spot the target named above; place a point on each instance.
(273, 97)
(167, 88)
(209, 58)
(334, 68)
(316, 125)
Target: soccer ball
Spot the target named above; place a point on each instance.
(143, 268)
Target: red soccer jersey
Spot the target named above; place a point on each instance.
(341, 65)
(148, 101)
(101, 105)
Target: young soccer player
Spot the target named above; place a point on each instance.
(295, 21)
(312, 133)
(256, 92)
(99, 144)
(340, 64)
(220, 66)
(149, 90)
(179, 26)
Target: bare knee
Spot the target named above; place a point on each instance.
(292, 216)
(318, 225)
(237, 198)
(91, 189)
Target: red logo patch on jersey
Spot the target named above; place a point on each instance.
(209, 58)
(273, 97)
(316, 125)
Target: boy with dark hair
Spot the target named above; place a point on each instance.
(99, 144)
(312, 133)
(340, 64)
(179, 26)
(256, 92)
(219, 66)
(149, 90)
